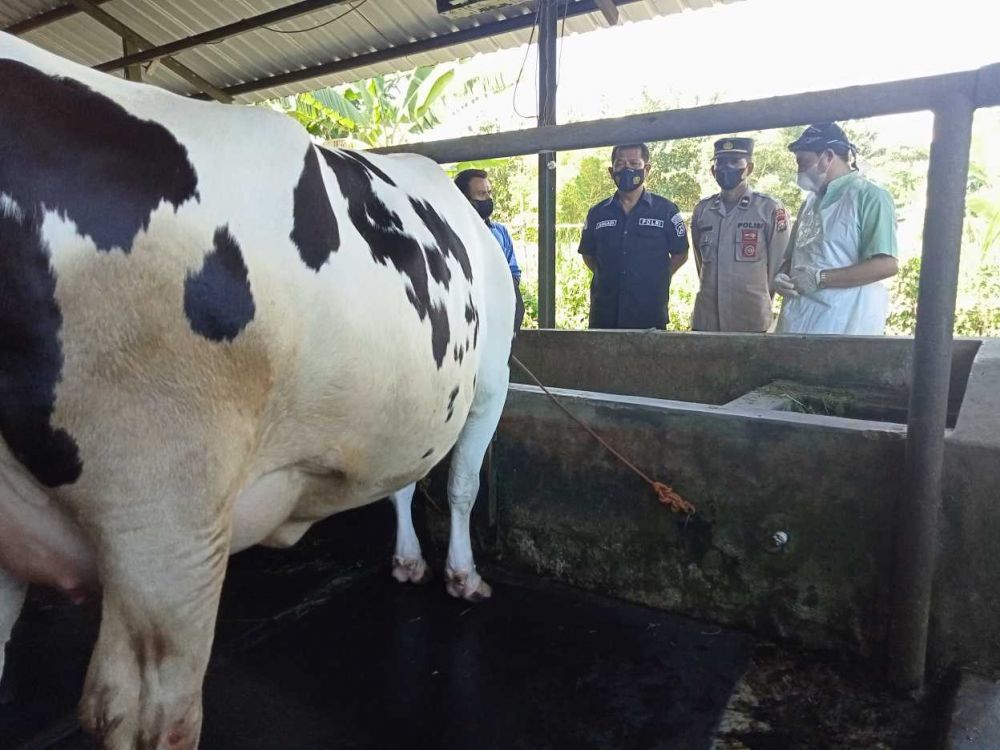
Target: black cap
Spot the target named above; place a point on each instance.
(820, 137)
(734, 147)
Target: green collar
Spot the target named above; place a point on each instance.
(835, 188)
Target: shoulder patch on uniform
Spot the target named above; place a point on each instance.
(645, 221)
(678, 221)
(606, 223)
(781, 219)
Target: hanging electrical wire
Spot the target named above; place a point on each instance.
(527, 50)
(375, 28)
(321, 25)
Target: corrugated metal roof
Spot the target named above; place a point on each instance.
(372, 25)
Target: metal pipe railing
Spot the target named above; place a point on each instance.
(981, 86)
(548, 34)
(953, 98)
(917, 519)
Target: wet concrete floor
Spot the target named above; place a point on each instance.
(318, 649)
(372, 664)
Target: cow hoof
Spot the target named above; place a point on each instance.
(468, 586)
(412, 570)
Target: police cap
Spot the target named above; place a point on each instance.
(734, 147)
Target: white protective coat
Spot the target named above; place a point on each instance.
(828, 238)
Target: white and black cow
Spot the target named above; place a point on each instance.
(213, 334)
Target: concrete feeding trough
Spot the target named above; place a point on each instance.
(758, 622)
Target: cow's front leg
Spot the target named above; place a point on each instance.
(162, 580)
(12, 593)
(407, 561)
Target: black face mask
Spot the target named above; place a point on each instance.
(628, 179)
(728, 177)
(484, 208)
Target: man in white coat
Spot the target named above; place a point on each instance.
(843, 244)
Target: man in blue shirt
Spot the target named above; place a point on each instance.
(475, 185)
(633, 242)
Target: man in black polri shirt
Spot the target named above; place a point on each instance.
(633, 242)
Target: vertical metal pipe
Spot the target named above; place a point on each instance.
(548, 33)
(917, 518)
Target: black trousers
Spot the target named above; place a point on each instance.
(518, 305)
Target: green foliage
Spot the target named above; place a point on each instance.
(590, 185)
(384, 110)
(572, 281)
(775, 168)
(677, 170)
(529, 291)
(903, 299)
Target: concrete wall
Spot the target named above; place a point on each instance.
(714, 368)
(564, 508)
(966, 609)
(569, 511)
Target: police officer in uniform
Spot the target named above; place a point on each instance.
(633, 242)
(739, 238)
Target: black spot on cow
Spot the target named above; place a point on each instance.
(31, 356)
(448, 242)
(472, 317)
(69, 149)
(217, 299)
(388, 242)
(459, 353)
(427, 453)
(366, 163)
(438, 267)
(314, 231)
(451, 403)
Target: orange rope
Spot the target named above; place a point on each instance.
(666, 495)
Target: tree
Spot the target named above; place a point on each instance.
(774, 167)
(677, 169)
(384, 110)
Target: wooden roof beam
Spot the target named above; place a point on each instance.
(107, 20)
(219, 33)
(44, 19)
(609, 10)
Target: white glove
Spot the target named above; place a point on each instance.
(805, 279)
(784, 285)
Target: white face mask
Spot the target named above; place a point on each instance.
(811, 179)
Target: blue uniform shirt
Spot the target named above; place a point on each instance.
(632, 279)
(503, 237)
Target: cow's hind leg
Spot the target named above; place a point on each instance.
(463, 483)
(408, 564)
(162, 560)
(12, 593)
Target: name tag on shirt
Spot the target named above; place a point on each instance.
(606, 223)
(647, 222)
